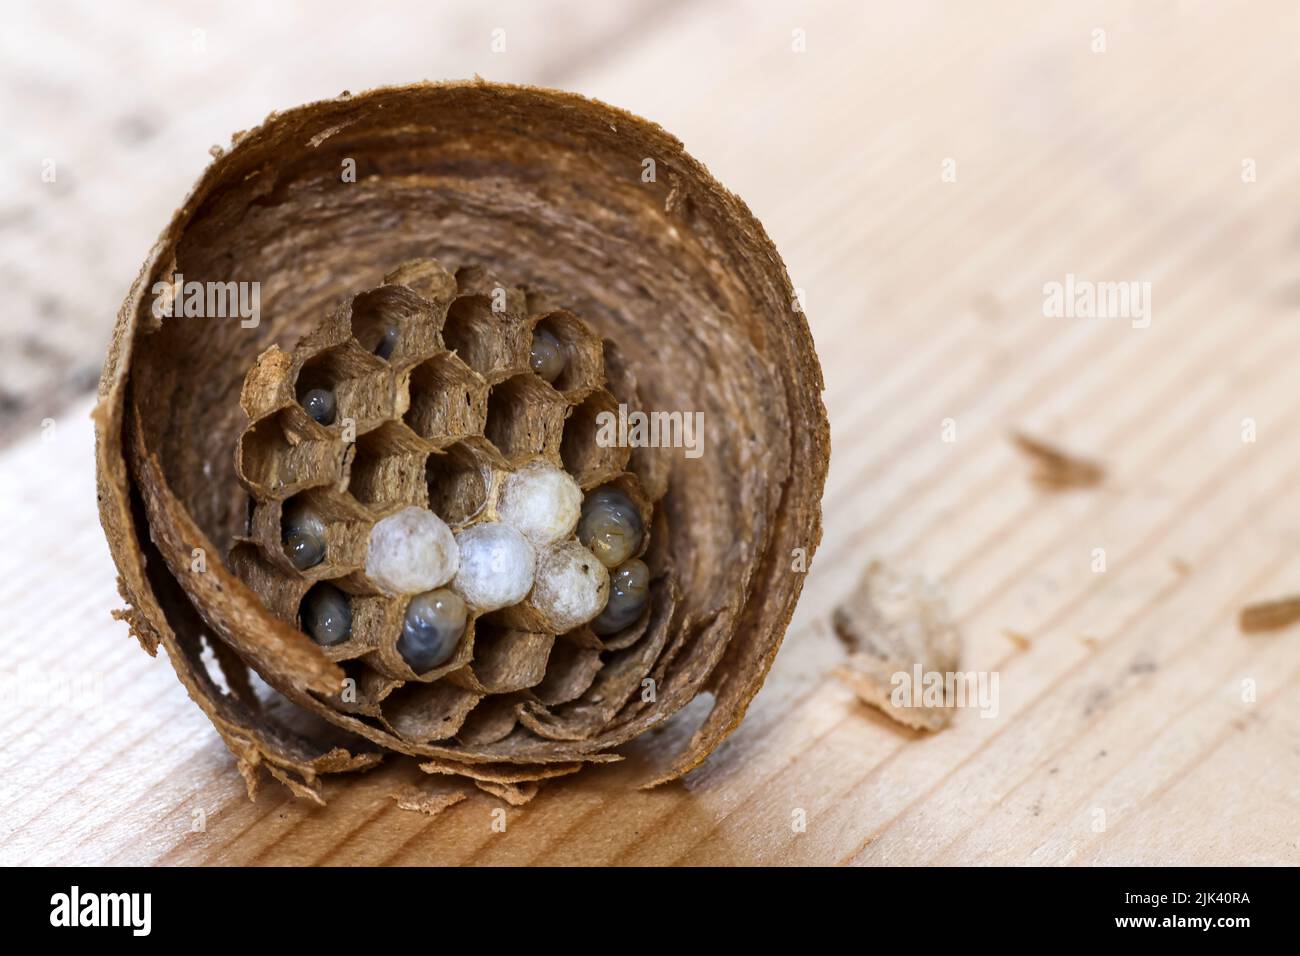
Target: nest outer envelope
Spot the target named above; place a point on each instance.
(545, 187)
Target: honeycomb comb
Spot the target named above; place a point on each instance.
(436, 404)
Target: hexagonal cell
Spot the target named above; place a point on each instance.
(570, 670)
(628, 484)
(491, 721)
(328, 615)
(361, 387)
(525, 418)
(383, 631)
(425, 712)
(584, 367)
(494, 344)
(594, 449)
(324, 520)
(458, 481)
(388, 468)
(508, 660)
(287, 451)
(395, 324)
(448, 400)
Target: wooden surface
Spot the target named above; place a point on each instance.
(1122, 696)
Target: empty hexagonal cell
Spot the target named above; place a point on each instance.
(286, 452)
(348, 384)
(525, 418)
(494, 344)
(458, 481)
(388, 468)
(582, 367)
(595, 447)
(491, 720)
(570, 670)
(448, 400)
(507, 660)
(425, 712)
(395, 324)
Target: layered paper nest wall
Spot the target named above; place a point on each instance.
(544, 189)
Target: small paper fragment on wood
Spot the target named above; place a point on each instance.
(1269, 615)
(892, 622)
(1056, 469)
(430, 797)
(515, 794)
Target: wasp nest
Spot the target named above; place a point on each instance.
(417, 467)
(376, 516)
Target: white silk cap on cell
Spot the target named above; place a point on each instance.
(411, 551)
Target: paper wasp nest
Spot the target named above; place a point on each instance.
(436, 414)
(310, 498)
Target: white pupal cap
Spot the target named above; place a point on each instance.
(541, 502)
(411, 551)
(496, 566)
(572, 586)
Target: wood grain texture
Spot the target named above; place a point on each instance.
(1121, 692)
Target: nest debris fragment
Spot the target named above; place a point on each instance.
(892, 622)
